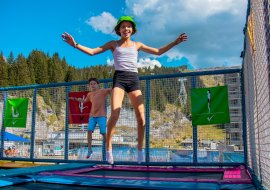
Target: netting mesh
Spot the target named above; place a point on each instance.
(170, 132)
(256, 70)
(50, 122)
(13, 147)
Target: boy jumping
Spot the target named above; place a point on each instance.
(97, 113)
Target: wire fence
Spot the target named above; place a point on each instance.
(256, 71)
(170, 138)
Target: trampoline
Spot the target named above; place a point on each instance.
(211, 175)
(76, 176)
(193, 176)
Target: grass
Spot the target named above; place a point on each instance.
(212, 81)
(205, 132)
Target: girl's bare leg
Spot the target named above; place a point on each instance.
(137, 102)
(116, 104)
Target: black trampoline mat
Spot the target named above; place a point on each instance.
(199, 175)
(51, 186)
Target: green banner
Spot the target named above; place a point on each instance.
(210, 106)
(16, 112)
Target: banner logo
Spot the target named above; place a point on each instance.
(16, 112)
(14, 115)
(81, 105)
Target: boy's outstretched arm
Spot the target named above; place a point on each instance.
(77, 99)
(160, 51)
(108, 90)
(70, 40)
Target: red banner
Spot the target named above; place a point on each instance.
(78, 112)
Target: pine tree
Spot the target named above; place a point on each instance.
(58, 72)
(75, 74)
(106, 74)
(12, 70)
(23, 71)
(31, 67)
(64, 67)
(3, 71)
(86, 75)
(71, 74)
(40, 68)
(50, 70)
(54, 71)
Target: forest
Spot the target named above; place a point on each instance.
(42, 68)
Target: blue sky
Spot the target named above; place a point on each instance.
(214, 28)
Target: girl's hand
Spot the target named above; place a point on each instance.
(181, 38)
(69, 39)
(71, 98)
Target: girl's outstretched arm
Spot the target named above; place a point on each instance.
(70, 40)
(142, 47)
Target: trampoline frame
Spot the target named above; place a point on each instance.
(236, 175)
(231, 174)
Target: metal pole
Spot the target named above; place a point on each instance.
(103, 142)
(3, 127)
(66, 125)
(195, 158)
(147, 121)
(33, 124)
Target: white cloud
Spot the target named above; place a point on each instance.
(138, 9)
(110, 62)
(148, 62)
(104, 22)
(214, 28)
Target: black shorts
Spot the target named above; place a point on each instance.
(128, 81)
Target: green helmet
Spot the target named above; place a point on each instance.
(124, 18)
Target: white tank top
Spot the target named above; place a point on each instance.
(125, 59)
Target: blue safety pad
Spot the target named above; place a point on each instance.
(124, 183)
(7, 181)
(237, 186)
(38, 169)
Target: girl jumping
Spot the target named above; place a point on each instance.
(126, 79)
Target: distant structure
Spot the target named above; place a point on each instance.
(182, 97)
(216, 68)
(234, 130)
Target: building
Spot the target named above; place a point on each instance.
(234, 130)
